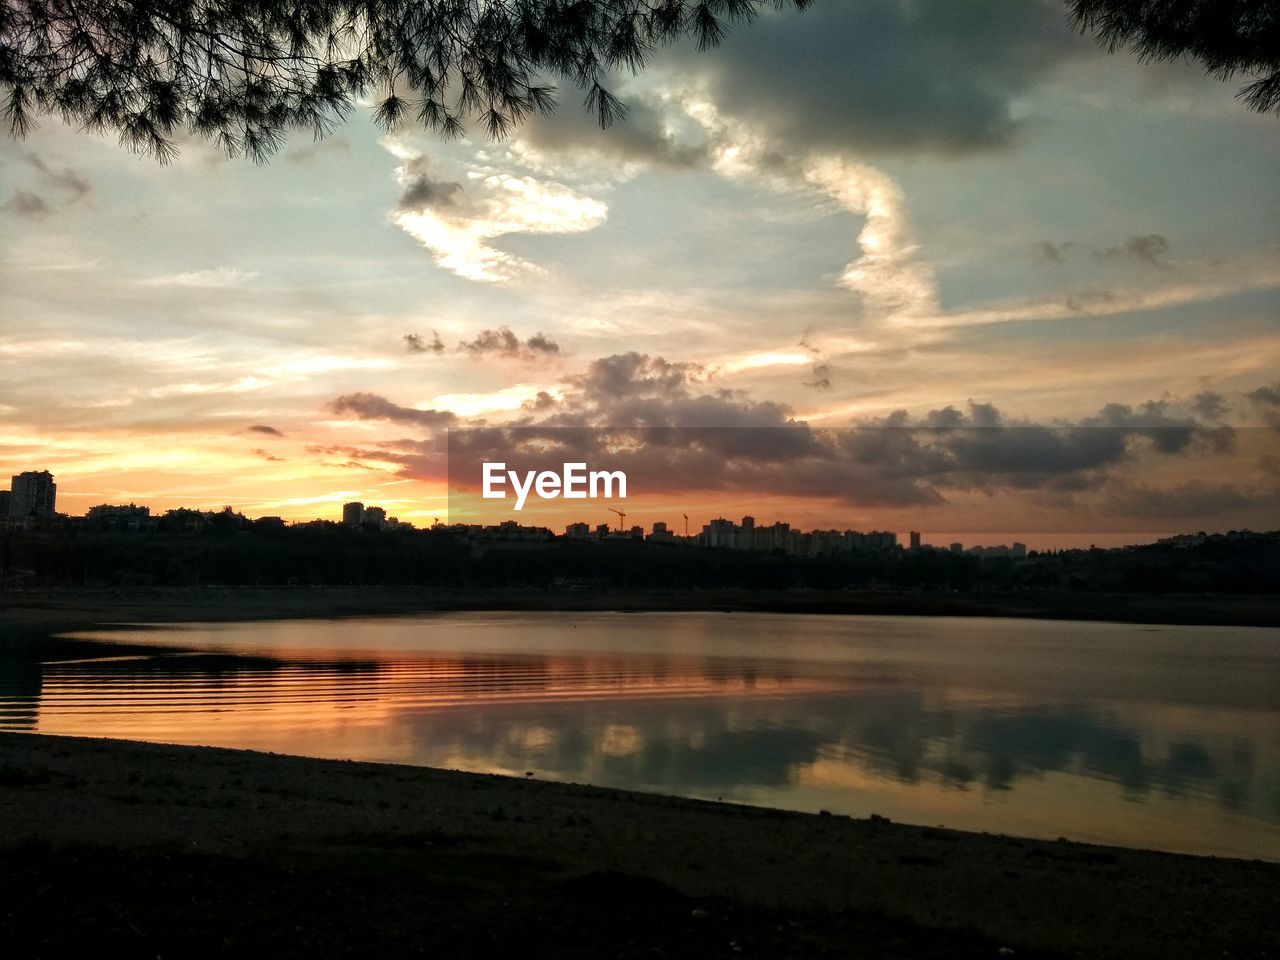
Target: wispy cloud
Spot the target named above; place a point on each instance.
(24, 203)
(214, 277)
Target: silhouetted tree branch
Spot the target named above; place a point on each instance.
(1230, 38)
(244, 73)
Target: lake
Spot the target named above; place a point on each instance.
(1150, 736)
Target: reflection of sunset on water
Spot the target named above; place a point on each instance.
(178, 700)
(976, 724)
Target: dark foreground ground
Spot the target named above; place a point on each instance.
(62, 609)
(126, 849)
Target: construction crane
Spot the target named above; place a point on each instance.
(622, 518)
(686, 525)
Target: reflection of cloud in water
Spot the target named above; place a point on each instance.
(620, 740)
(998, 746)
(729, 747)
(869, 726)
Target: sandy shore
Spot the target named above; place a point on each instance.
(165, 850)
(74, 608)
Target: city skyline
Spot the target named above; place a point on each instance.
(717, 531)
(1043, 247)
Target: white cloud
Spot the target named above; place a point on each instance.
(497, 204)
(197, 388)
(216, 277)
(755, 361)
(888, 274)
(891, 279)
(299, 368)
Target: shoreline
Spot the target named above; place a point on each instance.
(161, 820)
(58, 610)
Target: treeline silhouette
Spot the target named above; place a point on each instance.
(268, 553)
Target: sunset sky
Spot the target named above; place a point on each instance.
(837, 215)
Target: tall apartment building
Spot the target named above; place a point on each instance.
(32, 494)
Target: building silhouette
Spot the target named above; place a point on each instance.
(32, 494)
(107, 516)
(353, 514)
(661, 534)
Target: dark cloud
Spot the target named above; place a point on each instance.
(305, 153)
(503, 343)
(63, 182)
(416, 343)
(1050, 254)
(543, 401)
(1083, 301)
(669, 437)
(264, 429)
(265, 455)
(1171, 432)
(821, 377)
(930, 75)
(681, 433)
(64, 179)
(642, 136)
(541, 343)
(1266, 396)
(423, 191)
(1210, 405)
(24, 203)
(671, 429)
(1149, 249)
(370, 406)
(1164, 426)
(1194, 499)
(1267, 400)
(948, 418)
(635, 374)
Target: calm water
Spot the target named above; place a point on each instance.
(1163, 737)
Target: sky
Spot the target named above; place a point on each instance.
(961, 228)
